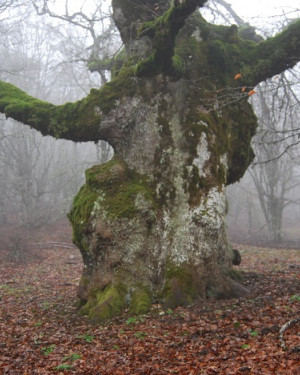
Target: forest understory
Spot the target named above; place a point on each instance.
(41, 333)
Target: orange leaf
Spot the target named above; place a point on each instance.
(244, 89)
(238, 76)
(250, 93)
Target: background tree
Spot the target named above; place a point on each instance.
(150, 223)
(39, 176)
(274, 171)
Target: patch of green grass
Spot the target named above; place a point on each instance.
(9, 290)
(295, 297)
(48, 349)
(46, 305)
(88, 338)
(72, 357)
(140, 335)
(185, 333)
(131, 320)
(62, 367)
(169, 312)
(254, 333)
(245, 346)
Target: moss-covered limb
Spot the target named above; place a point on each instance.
(113, 64)
(129, 14)
(163, 32)
(80, 121)
(272, 56)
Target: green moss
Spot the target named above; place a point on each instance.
(80, 215)
(235, 275)
(177, 64)
(22, 107)
(242, 125)
(140, 301)
(122, 86)
(225, 61)
(78, 121)
(119, 186)
(106, 304)
(163, 32)
(180, 288)
(147, 67)
(112, 189)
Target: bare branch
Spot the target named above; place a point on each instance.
(281, 334)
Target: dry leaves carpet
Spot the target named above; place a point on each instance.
(40, 332)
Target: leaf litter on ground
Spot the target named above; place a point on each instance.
(41, 332)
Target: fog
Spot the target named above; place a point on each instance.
(47, 56)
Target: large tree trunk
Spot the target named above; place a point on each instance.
(150, 223)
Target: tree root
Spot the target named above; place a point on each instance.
(281, 333)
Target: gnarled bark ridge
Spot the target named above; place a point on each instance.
(150, 223)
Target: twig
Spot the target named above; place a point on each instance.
(281, 333)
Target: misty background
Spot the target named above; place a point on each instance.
(52, 52)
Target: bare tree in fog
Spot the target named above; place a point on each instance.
(39, 176)
(274, 173)
(277, 107)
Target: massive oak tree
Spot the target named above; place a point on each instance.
(150, 223)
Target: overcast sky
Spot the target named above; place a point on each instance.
(265, 8)
(267, 16)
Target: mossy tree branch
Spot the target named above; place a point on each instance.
(221, 54)
(140, 24)
(163, 31)
(82, 121)
(272, 56)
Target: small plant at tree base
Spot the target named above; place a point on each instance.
(140, 335)
(46, 305)
(72, 357)
(62, 367)
(131, 320)
(86, 337)
(48, 349)
(295, 297)
(245, 346)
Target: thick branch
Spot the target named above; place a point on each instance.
(140, 26)
(82, 121)
(273, 56)
(164, 30)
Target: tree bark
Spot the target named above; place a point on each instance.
(150, 223)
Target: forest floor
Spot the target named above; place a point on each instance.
(41, 333)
